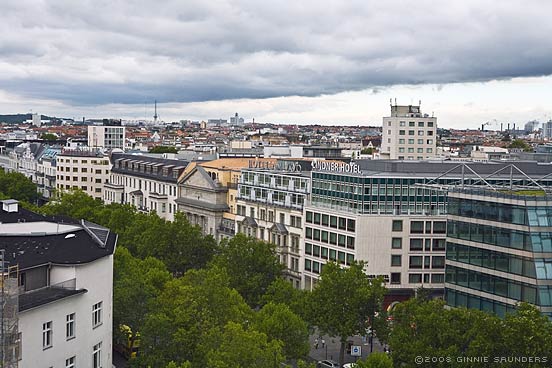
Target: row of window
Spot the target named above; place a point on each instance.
(420, 244)
(491, 211)
(329, 254)
(418, 150)
(330, 237)
(79, 178)
(459, 299)
(413, 123)
(412, 132)
(418, 227)
(437, 262)
(492, 284)
(419, 141)
(534, 241)
(294, 221)
(335, 222)
(93, 162)
(416, 278)
(342, 258)
(96, 358)
(497, 260)
(83, 187)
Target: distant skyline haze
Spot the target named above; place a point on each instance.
(327, 62)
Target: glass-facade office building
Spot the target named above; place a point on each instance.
(499, 250)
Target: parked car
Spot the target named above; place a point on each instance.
(327, 364)
(349, 365)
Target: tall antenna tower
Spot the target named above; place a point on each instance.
(155, 116)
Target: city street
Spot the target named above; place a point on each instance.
(331, 350)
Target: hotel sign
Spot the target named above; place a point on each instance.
(340, 167)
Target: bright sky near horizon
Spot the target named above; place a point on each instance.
(327, 62)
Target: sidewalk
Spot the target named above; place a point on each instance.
(331, 350)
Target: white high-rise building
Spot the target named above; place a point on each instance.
(106, 136)
(408, 134)
(36, 120)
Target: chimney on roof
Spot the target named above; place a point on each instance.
(10, 205)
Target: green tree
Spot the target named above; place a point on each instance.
(367, 151)
(238, 347)
(375, 360)
(278, 322)
(185, 315)
(252, 265)
(49, 137)
(75, 204)
(520, 143)
(136, 283)
(281, 291)
(344, 302)
(163, 149)
(15, 185)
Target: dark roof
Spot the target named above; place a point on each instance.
(172, 164)
(46, 295)
(249, 221)
(36, 247)
(31, 251)
(279, 228)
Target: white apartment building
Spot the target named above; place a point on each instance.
(270, 207)
(106, 136)
(86, 169)
(58, 300)
(408, 134)
(46, 172)
(148, 182)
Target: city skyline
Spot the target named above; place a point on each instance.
(469, 62)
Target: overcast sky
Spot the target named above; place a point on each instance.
(280, 61)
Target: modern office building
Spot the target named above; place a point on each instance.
(57, 291)
(391, 214)
(108, 136)
(148, 182)
(86, 169)
(269, 207)
(408, 134)
(499, 248)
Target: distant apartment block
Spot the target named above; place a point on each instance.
(146, 182)
(408, 134)
(85, 169)
(106, 136)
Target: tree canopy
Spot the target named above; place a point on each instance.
(163, 149)
(14, 185)
(344, 301)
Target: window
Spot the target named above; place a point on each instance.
(402, 123)
(429, 141)
(439, 227)
(333, 222)
(416, 227)
(395, 277)
(397, 225)
(282, 218)
(416, 261)
(97, 356)
(47, 335)
(325, 220)
(411, 123)
(97, 314)
(420, 141)
(415, 278)
(396, 260)
(420, 132)
(420, 124)
(70, 362)
(401, 132)
(396, 243)
(351, 225)
(401, 141)
(416, 244)
(438, 262)
(410, 132)
(411, 141)
(430, 124)
(70, 326)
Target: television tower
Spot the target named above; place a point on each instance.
(155, 116)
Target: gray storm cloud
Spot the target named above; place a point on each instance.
(98, 52)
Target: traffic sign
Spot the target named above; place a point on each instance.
(356, 350)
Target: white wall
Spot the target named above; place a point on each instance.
(97, 279)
